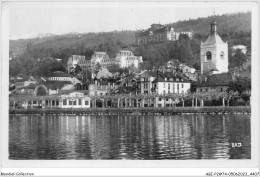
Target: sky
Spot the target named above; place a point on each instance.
(30, 19)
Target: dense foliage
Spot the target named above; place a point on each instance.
(37, 56)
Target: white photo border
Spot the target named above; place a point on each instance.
(127, 164)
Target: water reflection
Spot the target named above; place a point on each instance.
(129, 137)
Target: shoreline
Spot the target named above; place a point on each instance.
(138, 111)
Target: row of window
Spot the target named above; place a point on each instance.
(145, 79)
(124, 53)
(169, 85)
(205, 90)
(146, 86)
(74, 102)
(209, 55)
(59, 78)
(178, 91)
(19, 83)
(171, 79)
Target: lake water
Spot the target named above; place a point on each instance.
(130, 137)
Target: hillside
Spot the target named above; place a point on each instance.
(233, 28)
(72, 40)
(228, 23)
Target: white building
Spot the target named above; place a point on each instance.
(61, 76)
(58, 76)
(75, 60)
(243, 49)
(214, 64)
(71, 99)
(23, 81)
(159, 33)
(167, 83)
(123, 59)
(127, 59)
(170, 83)
(74, 100)
(144, 83)
(101, 87)
(188, 69)
(101, 58)
(214, 53)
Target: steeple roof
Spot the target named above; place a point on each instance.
(214, 38)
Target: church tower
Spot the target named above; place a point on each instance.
(214, 53)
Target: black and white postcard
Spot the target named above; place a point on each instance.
(130, 84)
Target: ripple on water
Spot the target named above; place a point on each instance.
(153, 137)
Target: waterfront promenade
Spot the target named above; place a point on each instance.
(139, 110)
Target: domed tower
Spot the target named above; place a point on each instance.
(214, 53)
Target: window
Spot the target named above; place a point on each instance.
(160, 99)
(79, 101)
(209, 55)
(221, 89)
(164, 92)
(177, 86)
(86, 102)
(222, 55)
(182, 85)
(200, 90)
(206, 90)
(169, 86)
(70, 102)
(64, 101)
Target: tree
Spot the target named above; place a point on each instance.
(88, 53)
(237, 59)
(114, 68)
(196, 66)
(57, 66)
(97, 67)
(186, 53)
(16, 67)
(240, 85)
(77, 70)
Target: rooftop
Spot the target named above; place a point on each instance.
(54, 85)
(222, 79)
(101, 53)
(214, 38)
(58, 74)
(22, 78)
(175, 77)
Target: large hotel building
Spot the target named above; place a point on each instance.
(124, 59)
(158, 33)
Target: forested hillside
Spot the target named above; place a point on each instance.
(227, 23)
(33, 56)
